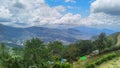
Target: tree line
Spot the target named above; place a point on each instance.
(36, 53)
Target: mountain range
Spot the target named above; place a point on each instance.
(19, 35)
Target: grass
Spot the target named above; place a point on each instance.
(1, 64)
(115, 63)
(82, 64)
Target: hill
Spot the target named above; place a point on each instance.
(99, 61)
(114, 63)
(19, 35)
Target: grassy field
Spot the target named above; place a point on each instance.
(115, 63)
(82, 64)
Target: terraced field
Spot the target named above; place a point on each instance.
(111, 63)
(115, 63)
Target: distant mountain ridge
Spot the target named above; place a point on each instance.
(19, 35)
(94, 31)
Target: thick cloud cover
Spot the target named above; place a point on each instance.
(25, 13)
(30, 12)
(107, 6)
(4, 12)
(105, 13)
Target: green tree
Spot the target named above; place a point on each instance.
(4, 51)
(71, 52)
(35, 53)
(84, 47)
(56, 48)
(13, 61)
(103, 42)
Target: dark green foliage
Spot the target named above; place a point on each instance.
(71, 52)
(62, 65)
(84, 47)
(4, 51)
(36, 53)
(114, 48)
(65, 65)
(91, 65)
(103, 42)
(56, 66)
(56, 49)
(13, 62)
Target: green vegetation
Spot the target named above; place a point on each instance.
(114, 63)
(101, 60)
(62, 65)
(37, 54)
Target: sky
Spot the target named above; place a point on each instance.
(55, 13)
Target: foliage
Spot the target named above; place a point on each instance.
(71, 52)
(62, 65)
(102, 42)
(56, 49)
(101, 60)
(36, 53)
(84, 47)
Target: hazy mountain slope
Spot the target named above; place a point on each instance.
(93, 31)
(18, 35)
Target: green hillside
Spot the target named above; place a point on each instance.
(80, 54)
(110, 63)
(115, 63)
(115, 37)
(99, 61)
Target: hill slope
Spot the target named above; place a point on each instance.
(18, 35)
(116, 38)
(115, 63)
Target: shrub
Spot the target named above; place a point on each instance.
(65, 65)
(92, 65)
(62, 65)
(56, 66)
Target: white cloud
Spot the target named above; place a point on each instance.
(68, 19)
(107, 6)
(4, 12)
(60, 8)
(104, 13)
(70, 1)
(101, 20)
(31, 12)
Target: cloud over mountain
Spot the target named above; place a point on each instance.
(24, 13)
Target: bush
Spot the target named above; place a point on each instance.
(62, 65)
(56, 66)
(65, 66)
(92, 65)
(111, 49)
